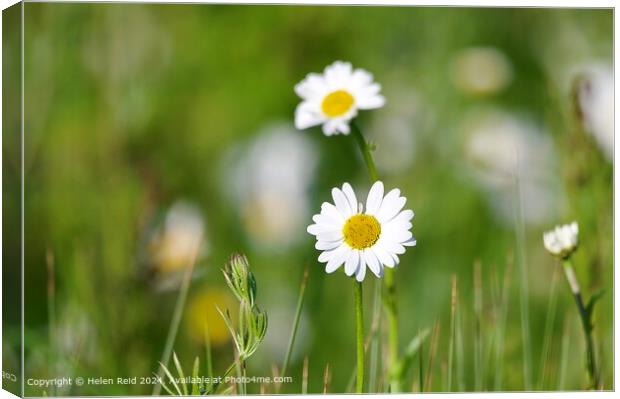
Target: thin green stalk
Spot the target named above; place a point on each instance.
(176, 317)
(359, 330)
(544, 357)
(585, 324)
(524, 286)
(366, 152)
(478, 342)
(502, 314)
(300, 305)
(451, 343)
(564, 355)
(388, 278)
(375, 340)
(51, 312)
(208, 358)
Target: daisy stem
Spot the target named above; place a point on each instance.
(359, 330)
(586, 322)
(388, 279)
(366, 151)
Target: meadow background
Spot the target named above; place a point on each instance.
(148, 125)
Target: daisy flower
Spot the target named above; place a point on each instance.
(563, 240)
(334, 97)
(356, 238)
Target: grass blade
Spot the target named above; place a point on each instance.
(550, 319)
(564, 355)
(300, 305)
(177, 314)
(451, 344)
(208, 358)
(478, 346)
(177, 364)
(304, 378)
(524, 286)
(326, 379)
(194, 382)
(375, 336)
(172, 380)
(501, 325)
(431, 359)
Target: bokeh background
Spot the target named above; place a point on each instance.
(148, 126)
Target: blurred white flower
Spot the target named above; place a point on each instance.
(502, 149)
(269, 180)
(563, 240)
(334, 97)
(394, 131)
(180, 240)
(481, 70)
(358, 239)
(595, 93)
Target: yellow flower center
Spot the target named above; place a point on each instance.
(337, 103)
(361, 231)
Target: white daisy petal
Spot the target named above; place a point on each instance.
(341, 202)
(404, 216)
(337, 72)
(393, 248)
(372, 262)
(337, 259)
(361, 78)
(396, 225)
(332, 212)
(375, 195)
(307, 115)
(391, 205)
(399, 236)
(352, 262)
(330, 127)
(410, 243)
(327, 255)
(312, 86)
(326, 220)
(361, 271)
(371, 102)
(318, 229)
(326, 245)
(383, 256)
(330, 236)
(350, 194)
(396, 259)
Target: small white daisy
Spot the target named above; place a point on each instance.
(356, 238)
(333, 98)
(563, 240)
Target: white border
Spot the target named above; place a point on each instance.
(471, 3)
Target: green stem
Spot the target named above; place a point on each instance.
(366, 151)
(359, 332)
(586, 324)
(388, 279)
(176, 316)
(300, 305)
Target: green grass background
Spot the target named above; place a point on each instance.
(132, 107)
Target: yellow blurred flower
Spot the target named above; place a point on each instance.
(202, 313)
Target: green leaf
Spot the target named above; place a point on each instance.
(412, 349)
(172, 380)
(177, 364)
(593, 300)
(195, 383)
